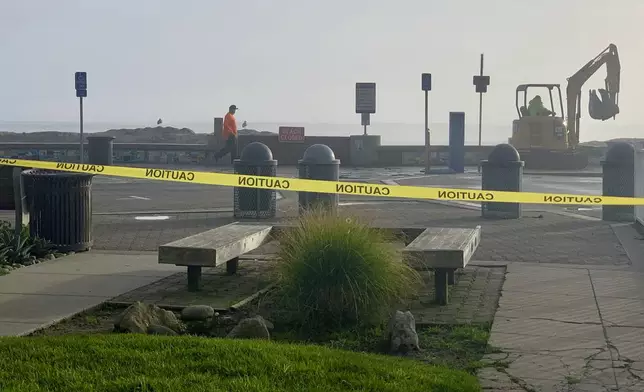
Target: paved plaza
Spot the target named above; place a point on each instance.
(570, 312)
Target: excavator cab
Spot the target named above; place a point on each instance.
(539, 124)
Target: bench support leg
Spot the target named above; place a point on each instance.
(194, 278)
(450, 277)
(231, 266)
(441, 287)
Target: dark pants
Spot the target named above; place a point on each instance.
(230, 147)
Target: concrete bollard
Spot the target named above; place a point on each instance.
(256, 159)
(319, 163)
(100, 150)
(618, 179)
(502, 171)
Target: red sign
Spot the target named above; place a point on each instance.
(291, 134)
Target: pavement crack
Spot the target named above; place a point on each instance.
(565, 321)
(604, 330)
(519, 382)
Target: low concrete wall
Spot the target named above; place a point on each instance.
(290, 153)
(285, 153)
(415, 155)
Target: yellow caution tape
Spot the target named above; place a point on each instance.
(345, 188)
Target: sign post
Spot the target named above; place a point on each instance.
(481, 82)
(80, 83)
(426, 86)
(365, 102)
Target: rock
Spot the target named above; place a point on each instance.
(197, 313)
(402, 333)
(29, 262)
(251, 328)
(50, 257)
(139, 316)
(155, 329)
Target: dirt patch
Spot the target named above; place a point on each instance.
(218, 289)
(97, 320)
(474, 299)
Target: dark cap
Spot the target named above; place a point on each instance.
(233, 107)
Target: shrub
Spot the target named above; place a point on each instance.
(336, 272)
(19, 250)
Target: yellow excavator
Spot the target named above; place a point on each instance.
(548, 141)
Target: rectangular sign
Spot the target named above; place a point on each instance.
(291, 135)
(366, 98)
(481, 82)
(426, 82)
(80, 84)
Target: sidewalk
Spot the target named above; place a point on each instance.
(566, 328)
(42, 294)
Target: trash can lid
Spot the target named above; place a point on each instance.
(504, 153)
(620, 152)
(318, 153)
(256, 152)
(46, 173)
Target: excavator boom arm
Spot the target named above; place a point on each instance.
(608, 56)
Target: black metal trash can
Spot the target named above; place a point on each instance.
(256, 159)
(319, 163)
(60, 208)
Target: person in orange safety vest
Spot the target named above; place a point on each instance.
(229, 133)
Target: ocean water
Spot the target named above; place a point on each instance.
(391, 134)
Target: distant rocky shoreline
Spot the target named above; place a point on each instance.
(136, 135)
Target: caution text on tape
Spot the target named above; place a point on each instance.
(321, 186)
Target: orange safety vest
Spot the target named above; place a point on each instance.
(230, 126)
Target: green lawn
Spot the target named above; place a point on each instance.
(129, 363)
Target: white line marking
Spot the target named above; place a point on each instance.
(140, 197)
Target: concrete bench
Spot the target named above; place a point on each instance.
(443, 250)
(213, 248)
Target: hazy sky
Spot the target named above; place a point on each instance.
(298, 60)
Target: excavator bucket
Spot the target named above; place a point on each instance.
(601, 108)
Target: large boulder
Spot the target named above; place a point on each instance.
(138, 318)
(198, 319)
(251, 328)
(197, 313)
(402, 334)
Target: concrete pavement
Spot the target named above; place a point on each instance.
(43, 294)
(563, 328)
(531, 183)
(537, 238)
(119, 195)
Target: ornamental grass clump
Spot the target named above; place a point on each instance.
(337, 272)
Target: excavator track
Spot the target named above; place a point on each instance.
(541, 159)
